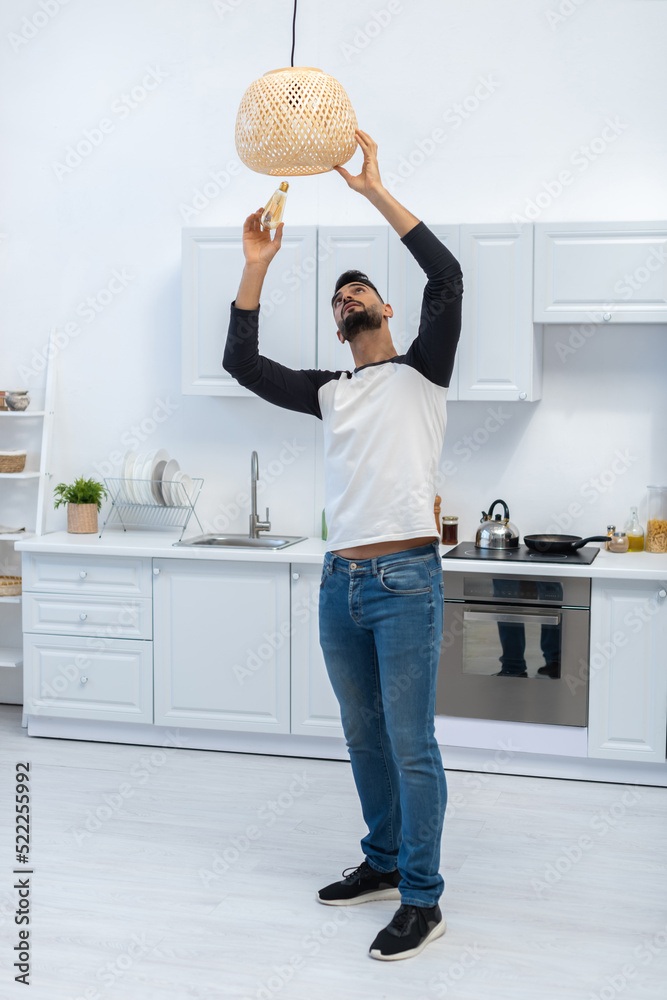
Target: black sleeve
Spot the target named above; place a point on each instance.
(432, 351)
(293, 390)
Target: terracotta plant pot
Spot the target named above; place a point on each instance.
(82, 518)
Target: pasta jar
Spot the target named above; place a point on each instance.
(656, 529)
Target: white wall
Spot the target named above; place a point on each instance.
(550, 86)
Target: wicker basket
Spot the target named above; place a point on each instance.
(295, 121)
(82, 518)
(10, 586)
(12, 461)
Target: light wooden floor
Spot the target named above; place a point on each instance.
(129, 913)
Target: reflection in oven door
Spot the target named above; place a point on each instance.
(514, 663)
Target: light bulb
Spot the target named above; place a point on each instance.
(273, 213)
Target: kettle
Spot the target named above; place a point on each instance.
(496, 532)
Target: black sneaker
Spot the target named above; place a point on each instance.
(361, 886)
(408, 933)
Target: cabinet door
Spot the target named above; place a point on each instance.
(222, 645)
(315, 710)
(73, 677)
(500, 350)
(339, 249)
(212, 266)
(601, 272)
(406, 288)
(628, 675)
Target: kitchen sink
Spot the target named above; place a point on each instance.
(244, 542)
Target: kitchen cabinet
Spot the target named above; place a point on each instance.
(315, 710)
(87, 637)
(600, 272)
(340, 248)
(212, 264)
(222, 645)
(628, 672)
(500, 353)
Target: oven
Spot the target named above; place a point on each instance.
(515, 648)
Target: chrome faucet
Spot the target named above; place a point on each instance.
(255, 524)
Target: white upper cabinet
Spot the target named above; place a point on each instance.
(500, 353)
(601, 272)
(406, 288)
(211, 270)
(341, 248)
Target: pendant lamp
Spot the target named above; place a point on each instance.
(295, 121)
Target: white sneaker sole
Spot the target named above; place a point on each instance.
(437, 932)
(366, 898)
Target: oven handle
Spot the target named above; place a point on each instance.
(491, 616)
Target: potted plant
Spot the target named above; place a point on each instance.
(84, 500)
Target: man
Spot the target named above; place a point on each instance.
(381, 595)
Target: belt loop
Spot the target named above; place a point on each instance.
(374, 566)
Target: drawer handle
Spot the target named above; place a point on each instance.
(296, 576)
(83, 616)
(156, 571)
(83, 574)
(84, 680)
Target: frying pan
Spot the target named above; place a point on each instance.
(560, 543)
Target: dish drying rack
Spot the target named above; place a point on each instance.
(153, 515)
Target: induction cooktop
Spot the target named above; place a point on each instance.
(467, 550)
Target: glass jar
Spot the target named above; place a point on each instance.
(656, 528)
(450, 529)
(611, 528)
(619, 542)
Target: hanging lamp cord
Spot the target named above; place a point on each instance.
(293, 33)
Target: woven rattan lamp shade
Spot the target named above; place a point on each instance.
(295, 121)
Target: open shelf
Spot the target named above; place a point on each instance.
(10, 657)
(19, 475)
(22, 413)
(14, 599)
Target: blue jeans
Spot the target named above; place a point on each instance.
(380, 632)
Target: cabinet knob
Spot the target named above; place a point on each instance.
(295, 576)
(83, 574)
(84, 680)
(83, 616)
(662, 593)
(156, 571)
(606, 317)
(523, 395)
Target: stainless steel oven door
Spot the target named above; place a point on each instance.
(514, 663)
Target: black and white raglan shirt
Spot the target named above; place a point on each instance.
(384, 423)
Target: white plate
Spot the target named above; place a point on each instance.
(188, 486)
(156, 484)
(126, 493)
(146, 474)
(137, 470)
(170, 470)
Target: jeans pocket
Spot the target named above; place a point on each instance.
(405, 578)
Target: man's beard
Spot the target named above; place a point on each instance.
(359, 319)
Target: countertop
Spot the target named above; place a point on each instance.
(154, 544)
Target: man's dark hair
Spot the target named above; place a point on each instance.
(355, 277)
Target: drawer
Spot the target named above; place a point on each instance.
(88, 678)
(72, 574)
(109, 617)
